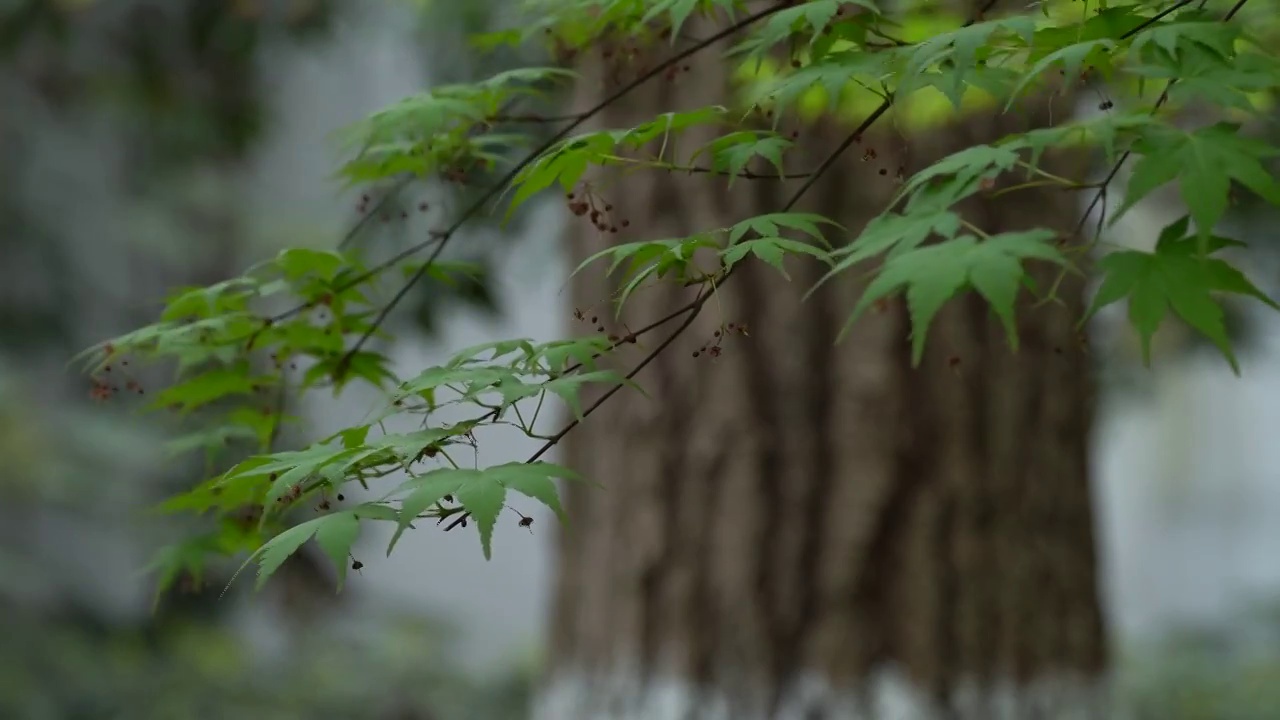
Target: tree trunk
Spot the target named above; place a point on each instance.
(798, 529)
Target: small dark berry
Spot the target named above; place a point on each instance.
(356, 564)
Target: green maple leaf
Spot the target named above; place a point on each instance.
(955, 56)
(808, 18)
(335, 533)
(934, 274)
(680, 10)
(1204, 162)
(568, 386)
(482, 493)
(894, 233)
(956, 176)
(1071, 58)
(484, 497)
(536, 480)
(732, 152)
(1177, 276)
(427, 490)
(766, 226)
(772, 250)
(335, 538)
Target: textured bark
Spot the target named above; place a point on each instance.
(805, 529)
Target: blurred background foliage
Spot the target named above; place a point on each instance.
(123, 130)
(142, 115)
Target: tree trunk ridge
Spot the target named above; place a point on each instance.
(805, 530)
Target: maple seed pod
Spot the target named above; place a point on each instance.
(340, 497)
(356, 564)
(696, 353)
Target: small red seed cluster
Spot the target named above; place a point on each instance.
(107, 381)
(386, 215)
(713, 347)
(630, 337)
(588, 204)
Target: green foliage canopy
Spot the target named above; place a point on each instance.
(235, 363)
